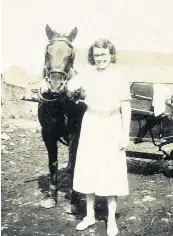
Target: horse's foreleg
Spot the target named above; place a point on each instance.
(74, 198)
(73, 144)
(51, 145)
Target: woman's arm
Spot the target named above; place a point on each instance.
(75, 83)
(126, 120)
(125, 98)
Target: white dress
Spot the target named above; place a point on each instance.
(100, 164)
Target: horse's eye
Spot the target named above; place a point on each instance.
(49, 51)
(70, 52)
(49, 55)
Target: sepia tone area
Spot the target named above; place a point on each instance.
(147, 211)
(143, 37)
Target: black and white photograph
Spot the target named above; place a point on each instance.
(86, 118)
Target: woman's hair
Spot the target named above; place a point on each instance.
(102, 43)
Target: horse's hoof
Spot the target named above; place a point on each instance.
(72, 209)
(48, 203)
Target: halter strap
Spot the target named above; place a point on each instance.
(62, 39)
(59, 71)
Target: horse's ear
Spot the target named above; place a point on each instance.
(73, 34)
(49, 32)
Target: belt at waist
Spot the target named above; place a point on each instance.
(115, 111)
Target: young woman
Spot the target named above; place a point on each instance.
(101, 167)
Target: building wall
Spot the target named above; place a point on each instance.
(13, 106)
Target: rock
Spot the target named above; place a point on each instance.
(10, 148)
(5, 152)
(3, 147)
(168, 213)
(48, 203)
(4, 136)
(12, 126)
(4, 227)
(145, 191)
(36, 204)
(23, 141)
(22, 135)
(12, 162)
(61, 194)
(171, 209)
(16, 218)
(11, 143)
(26, 203)
(36, 193)
(132, 218)
(5, 125)
(70, 217)
(92, 231)
(9, 214)
(148, 199)
(165, 220)
(26, 156)
(9, 130)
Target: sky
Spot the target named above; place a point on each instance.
(138, 25)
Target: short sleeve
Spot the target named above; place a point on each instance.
(80, 79)
(124, 90)
(75, 83)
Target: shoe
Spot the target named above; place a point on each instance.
(112, 229)
(85, 223)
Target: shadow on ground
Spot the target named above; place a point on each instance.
(148, 210)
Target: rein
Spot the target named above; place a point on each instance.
(42, 99)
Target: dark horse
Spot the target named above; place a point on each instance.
(59, 115)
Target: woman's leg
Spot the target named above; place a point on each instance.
(90, 199)
(112, 229)
(90, 217)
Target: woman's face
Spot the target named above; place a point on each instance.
(102, 57)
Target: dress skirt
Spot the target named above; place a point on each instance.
(101, 166)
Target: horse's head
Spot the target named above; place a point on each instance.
(59, 59)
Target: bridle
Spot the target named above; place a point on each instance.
(66, 74)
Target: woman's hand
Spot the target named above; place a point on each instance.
(126, 119)
(124, 141)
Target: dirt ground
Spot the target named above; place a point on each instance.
(147, 211)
